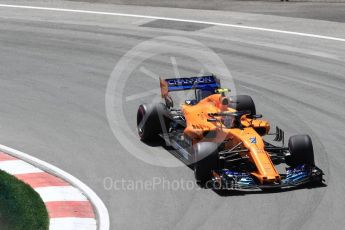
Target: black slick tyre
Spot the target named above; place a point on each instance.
(205, 160)
(151, 121)
(301, 151)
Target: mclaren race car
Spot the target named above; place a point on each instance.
(222, 138)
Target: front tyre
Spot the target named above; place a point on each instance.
(151, 121)
(205, 160)
(301, 151)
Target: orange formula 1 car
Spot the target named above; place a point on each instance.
(222, 138)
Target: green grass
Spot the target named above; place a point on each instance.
(21, 208)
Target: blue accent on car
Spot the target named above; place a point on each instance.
(253, 140)
(297, 174)
(176, 84)
(239, 178)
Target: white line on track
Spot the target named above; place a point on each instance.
(175, 19)
(72, 223)
(17, 167)
(60, 193)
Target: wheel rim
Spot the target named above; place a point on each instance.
(140, 123)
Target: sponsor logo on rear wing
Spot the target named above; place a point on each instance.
(177, 84)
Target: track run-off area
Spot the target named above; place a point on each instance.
(57, 61)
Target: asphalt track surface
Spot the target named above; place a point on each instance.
(298, 9)
(54, 70)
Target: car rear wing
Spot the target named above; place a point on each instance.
(210, 83)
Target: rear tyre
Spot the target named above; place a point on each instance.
(243, 103)
(205, 160)
(301, 150)
(151, 121)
